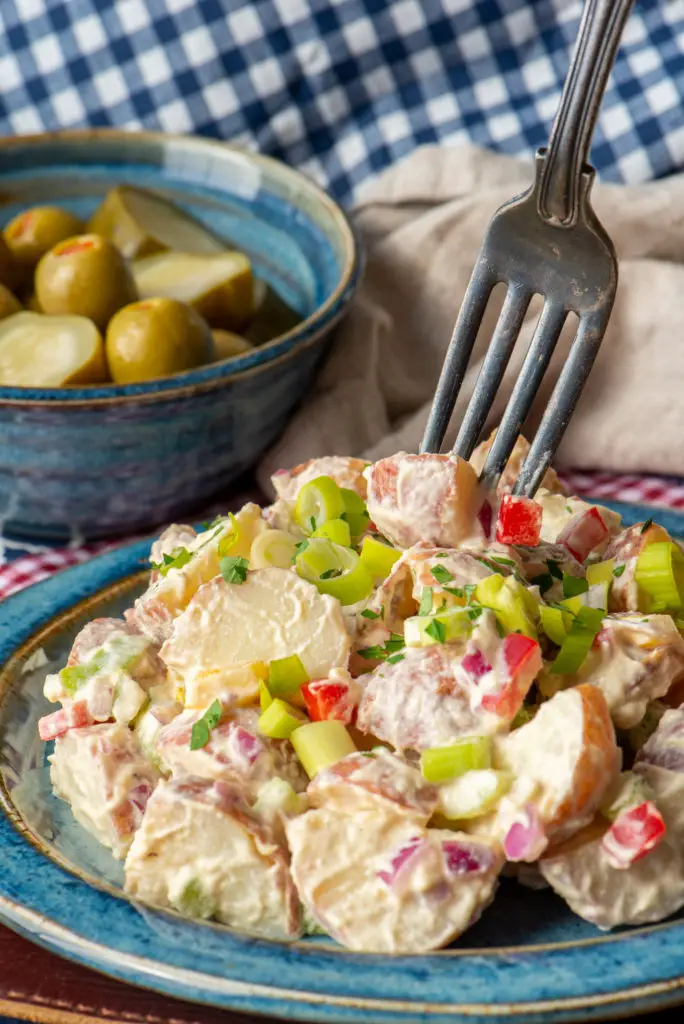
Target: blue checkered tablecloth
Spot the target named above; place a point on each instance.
(339, 88)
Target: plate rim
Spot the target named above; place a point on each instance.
(658, 944)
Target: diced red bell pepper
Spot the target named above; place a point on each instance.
(328, 700)
(519, 521)
(76, 716)
(518, 663)
(633, 834)
(583, 533)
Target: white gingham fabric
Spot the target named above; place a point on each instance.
(340, 89)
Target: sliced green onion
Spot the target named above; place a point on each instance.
(511, 602)
(601, 572)
(336, 530)
(320, 744)
(660, 574)
(286, 675)
(353, 502)
(176, 560)
(272, 548)
(555, 623)
(455, 622)
(473, 794)
(265, 698)
(319, 500)
(578, 641)
(378, 558)
(574, 585)
(335, 570)
(440, 764)
(280, 720)
(355, 512)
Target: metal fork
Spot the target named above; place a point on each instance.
(549, 242)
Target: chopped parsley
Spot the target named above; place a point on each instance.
(437, 630)
(456, 591)
(554, 568)
(425, 606)
(234, 569)
(544, 581)
(474, 613)
(646, 526)
(381, 652)
(441, 575)
(574, 585)
(618, 571)
(368, 613)
(176, 560)
(203, 726)
(469, 591)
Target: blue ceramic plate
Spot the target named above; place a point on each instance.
(528, 959)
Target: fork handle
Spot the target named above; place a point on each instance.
(567, 154)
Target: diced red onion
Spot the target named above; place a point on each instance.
(400, 861)
(525, 839)
(466, 858)
(475, 664)
(247, 746)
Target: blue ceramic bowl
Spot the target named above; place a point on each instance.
(89, 462)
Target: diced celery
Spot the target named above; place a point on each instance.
(280, 720)
(378, 558)
(473, 794)
(286, 675)
(336, 530)
(320, 744)
(318, 501)
(600, 572)
(440, 764)
(277, 797)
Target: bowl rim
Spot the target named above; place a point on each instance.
(215, 375)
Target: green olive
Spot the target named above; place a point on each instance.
(9, 271)
(84, 276)
(35, 231)
(156, 338)
(9, 303)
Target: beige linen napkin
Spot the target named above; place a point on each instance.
(422, 223)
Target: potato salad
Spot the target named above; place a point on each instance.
(351, 711)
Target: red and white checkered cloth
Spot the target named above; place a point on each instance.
(640, 490)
